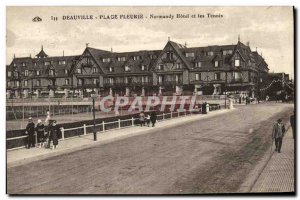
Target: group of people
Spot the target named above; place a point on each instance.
(45, 134)
(146, 119)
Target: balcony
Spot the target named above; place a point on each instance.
(165, 83)
(237, 80)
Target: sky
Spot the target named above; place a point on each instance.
(269, 29)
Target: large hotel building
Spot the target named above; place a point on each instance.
(174, 70)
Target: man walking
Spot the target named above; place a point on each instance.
(277, 134)
(30, 132)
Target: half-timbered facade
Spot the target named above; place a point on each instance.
(174, 70)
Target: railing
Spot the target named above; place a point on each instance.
(114, 125)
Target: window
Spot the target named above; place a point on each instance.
(217, 76)
(17, 83)
(160, 67)
(23, 64)
(9, 73)
(106, 59)
(94, 69)
(160, 79)
(111, 80)
(51, 72)
(144, 79)
(15, 64)
(111, 69)
(197, 76)
(26, 73)
(95, 81)
(62, 62)
(210, 53)
(236, 63)
(137, 57)
(34, 64)
(8, 84)
(127, 68)
(178, 65)
(216, 63)
(67, 81)
(66, 71)
(121, 59)
(170, 55)
(227, 52)
(51, 82)
(198, 64)
(79, 71)
(191, 54)
(79, 81)
(47, 63)
(25, 83)
(152, 56)
(16, 74)
(176, 78)
(37, 72)
(38, 83)
(143, 67)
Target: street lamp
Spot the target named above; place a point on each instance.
(94, 95)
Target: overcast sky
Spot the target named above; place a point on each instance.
(270, 29)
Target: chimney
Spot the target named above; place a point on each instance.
(111, 49)
(239, 39)
(248, 44)
(185, 44)
(14, 55)
(168, 38)
(86, 44)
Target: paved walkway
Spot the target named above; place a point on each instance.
(22, 156)
(278, 175)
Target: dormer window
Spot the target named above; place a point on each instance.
(198, 64)
(106, 60)
(94, 70)
(62, 62)
(143, 67)
(121, 59)
(23, 64)
(26, 73)
(127, 68)
(152, 56)
(111, 69)
(79, 71)
(188, 55)
(15, 64)
(137, 57)
(210, 53)
(216, 63)
(47, 63)
(227, 52)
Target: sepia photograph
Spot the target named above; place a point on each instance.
(150, 100)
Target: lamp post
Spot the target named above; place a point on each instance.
(94, 95)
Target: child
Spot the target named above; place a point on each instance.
(40, 131)
(148, 119)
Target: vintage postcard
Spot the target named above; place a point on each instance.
(150, 100)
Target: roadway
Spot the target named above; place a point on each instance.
(207, 156)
